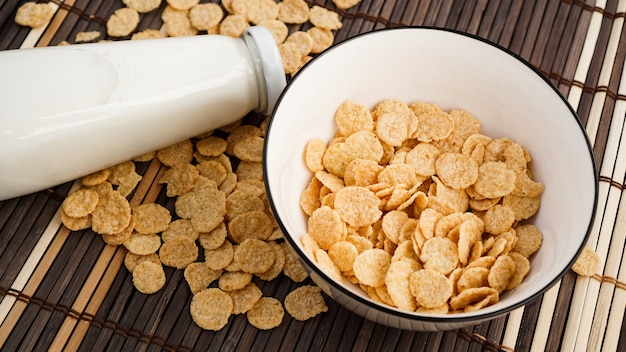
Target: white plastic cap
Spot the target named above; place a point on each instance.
(264, 46)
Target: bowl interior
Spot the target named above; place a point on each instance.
(454, 71)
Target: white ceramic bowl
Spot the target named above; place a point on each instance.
(454, 70)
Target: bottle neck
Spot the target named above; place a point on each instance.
(268, 67)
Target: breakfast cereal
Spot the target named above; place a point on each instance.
(142, 6)
(587, 263)
(305, 302)
(245, 298)
(293, 11)
(179, 252)
(148, 277)
(211, 308)
(205, 16)
(420, 209)
(122, 22)
(34, 14)
(266, 313)
(199, 276)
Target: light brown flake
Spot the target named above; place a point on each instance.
(211, 308)
(199, 276)
(305, 302)
(34, 14)
(267, 313)
(122, 22)
(148, 277)
(80, 203)
(151, 218)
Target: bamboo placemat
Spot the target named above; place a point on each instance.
(62, 290)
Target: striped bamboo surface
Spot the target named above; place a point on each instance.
(62, 290)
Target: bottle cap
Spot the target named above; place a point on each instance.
(261, 42)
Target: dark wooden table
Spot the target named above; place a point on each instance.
(62, 290)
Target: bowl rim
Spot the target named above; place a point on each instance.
(434, 318)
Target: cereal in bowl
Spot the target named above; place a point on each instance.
(418, 208)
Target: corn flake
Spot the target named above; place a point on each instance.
(178, 153)
(252, 224)
(95, 178)
(277, 265)
(440, 254)
(501, 272)
(522, 207)
(131, 260)
(293, 11)
(179, 252)
(456, 170)
(122, 22)
(352, 117)
(205, 16)
(33, 14)
(199, 276)
(179, 227)
(587, 263)
(371, 265)
(430, 288)
(80, 203)
(254, 256)
(245, 298)
(75, 224)
(111, 215)
(151, 218)
(220, 257)
(302, 40)
(293, 269)
(433, 125)
(148, 277)
(529, 239)
(211, 308)
(267, 313)
(494, 180)
(305, 302)
(397, 281)
(322, 39)
(180, 179)
(324, 18)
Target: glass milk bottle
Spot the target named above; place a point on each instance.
(68, 111)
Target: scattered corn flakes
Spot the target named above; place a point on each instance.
(233, 25)
(322, 39)
(324, 18)
(179, 252)
(34, 14)
(112, 214)
(82, 37)
(142, 6)
(211, 308)
(148, 277)
(182, 4)
(151, 218)
(80, 203)
(131, 260)
(206, 16)
(587, 263)
(244, 299)
(254, 256)
(199, 276)
(122, 22)
(293, 11)
(305, 302)
(267, 313)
